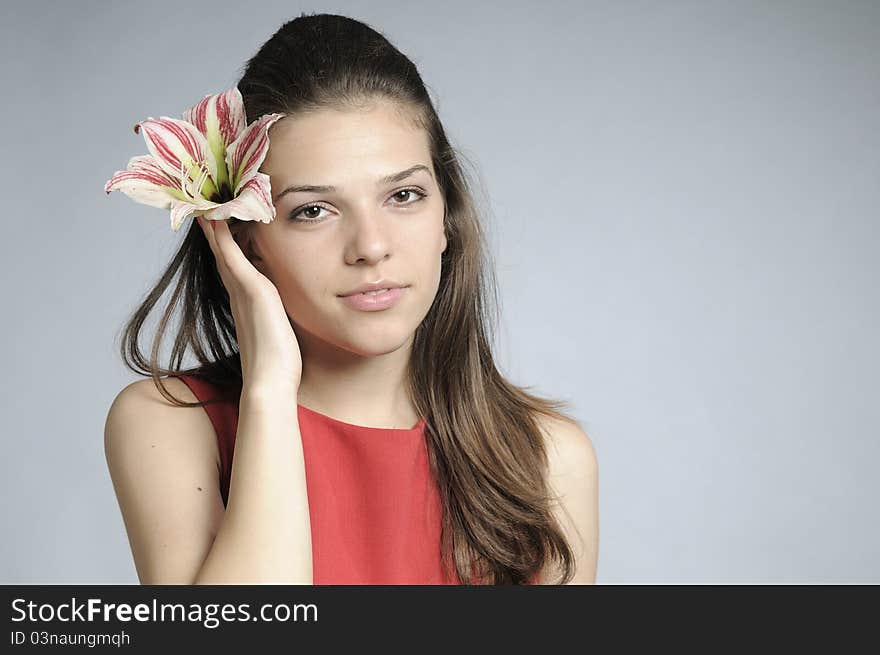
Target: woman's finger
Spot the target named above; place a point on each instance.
(208, 232)
(234, 258)
(211, 237)
(221, 249)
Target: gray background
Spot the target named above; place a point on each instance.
(682, 202)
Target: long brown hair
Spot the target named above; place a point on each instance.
(484, 441)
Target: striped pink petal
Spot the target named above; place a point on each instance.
(223, 112)
(247, 152)
(176, 145)
(221, 118)
(145, 182)
(182, 209)
(253, 203)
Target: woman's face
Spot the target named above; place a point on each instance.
(323, 244)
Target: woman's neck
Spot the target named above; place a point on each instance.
(368, 391)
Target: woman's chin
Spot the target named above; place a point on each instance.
(364, 338)
(376, 345)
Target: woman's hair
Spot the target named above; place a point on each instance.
(483, 437)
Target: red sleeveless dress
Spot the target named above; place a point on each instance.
(374, 506)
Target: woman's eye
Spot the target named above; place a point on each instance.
(312, 213)
(412, 192)
(307, 212)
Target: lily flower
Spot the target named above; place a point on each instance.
(204, 165)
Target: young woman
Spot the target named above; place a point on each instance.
(332, 436)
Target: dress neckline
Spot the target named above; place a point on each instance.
(364, 428)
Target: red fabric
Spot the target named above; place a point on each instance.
(374, 507)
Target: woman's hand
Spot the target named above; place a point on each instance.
(270, 354)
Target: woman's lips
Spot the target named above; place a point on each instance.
(367, 302)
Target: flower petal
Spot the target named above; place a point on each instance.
(222, 112)
(145, 182)
(221, 118)
(181, 209)
(177, 145)
(247, 152)
(254, 203)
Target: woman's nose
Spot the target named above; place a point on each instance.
(368, 240)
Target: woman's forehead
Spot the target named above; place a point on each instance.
(331, 146)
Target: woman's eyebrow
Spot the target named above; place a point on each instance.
(388, 179)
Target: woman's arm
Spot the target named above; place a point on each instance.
(265, 537)
(163, 463)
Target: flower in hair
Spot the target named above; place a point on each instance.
(204, 165)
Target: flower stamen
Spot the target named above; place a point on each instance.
(192, 186)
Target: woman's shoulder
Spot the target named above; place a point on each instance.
(567, 444)
(141, 417)
(146, 395)
(573, 477)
